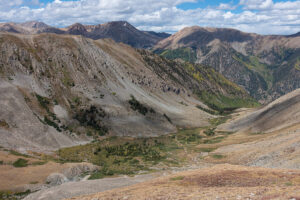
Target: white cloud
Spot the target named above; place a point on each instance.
(226, 6)
(4, 4)
(261, 16)
(257, 4)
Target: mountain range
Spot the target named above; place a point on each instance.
(88, 88)
(119, 31)
(267, 66)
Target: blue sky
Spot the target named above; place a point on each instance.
(259, 16)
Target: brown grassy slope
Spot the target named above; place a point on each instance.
(279, 114)
(219, 182)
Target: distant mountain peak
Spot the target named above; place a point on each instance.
(119, 31)
(35, 24)
(76, 29)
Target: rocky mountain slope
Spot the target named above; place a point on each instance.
(119, 31)
(266, 66)
(266, 137)
(63, 90)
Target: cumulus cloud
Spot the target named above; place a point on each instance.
(226, 6)
(4, 4)
(257, 4)
(260, 16)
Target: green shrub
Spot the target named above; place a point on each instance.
(134, 162)
(214, 140)
(44, 102)
(101, 173)
(92, 117)
(52, 123)
(207, 110)
(207, 149)
(257, 133)
(20, 163)
(136, 105)
(178, 178)
(18, 154)
(4, 124)
(39, 163)
(218, 156)
(210, 132)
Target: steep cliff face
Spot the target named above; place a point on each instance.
(62, 90)
(266, 66)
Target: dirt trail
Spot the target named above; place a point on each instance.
(72, 189)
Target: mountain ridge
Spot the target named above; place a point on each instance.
(265, 65)
(76, 88)
(119, 31)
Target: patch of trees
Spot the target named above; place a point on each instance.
(92, 117)
(137, 106)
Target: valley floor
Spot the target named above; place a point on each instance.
(191, 165)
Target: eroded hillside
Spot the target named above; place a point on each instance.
(66, 90)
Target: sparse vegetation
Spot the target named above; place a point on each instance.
(8, 195)
(67, 79)
(214, 140)
(257, 133)
(223, 105)
(119, 155)
(207, 149)
(39, 163)
(210, 131)
(20, 163)
(213, 112)
(44, 102)
(4, 124)
(137, 106)
(177, 178)
(92, 117)
(18, 154)
(52, 123)
(186, 54)
(218, 156)
(219, 120)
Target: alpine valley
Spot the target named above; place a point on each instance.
(112, 112)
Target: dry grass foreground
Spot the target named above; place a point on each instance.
(219, 182)
(19, 178)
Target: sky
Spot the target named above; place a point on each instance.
(258, 16)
